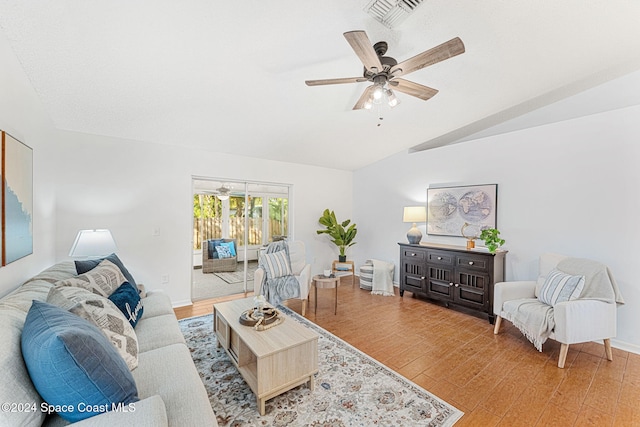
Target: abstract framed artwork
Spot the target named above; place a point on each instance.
(449, 208)
(17, 199)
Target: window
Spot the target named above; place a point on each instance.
(214, 218)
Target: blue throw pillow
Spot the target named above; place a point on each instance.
(72, 364)
(89, 264)
(127, 299)
(231, 246)
(223, 252)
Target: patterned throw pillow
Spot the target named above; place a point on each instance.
(83, 266)
(223, 252)
(102, 280)
(559, 287)
(276, 264)
(231, 246)
(213, 244)
(104, 314)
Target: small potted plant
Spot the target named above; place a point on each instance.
(491, 238)
(341, 233)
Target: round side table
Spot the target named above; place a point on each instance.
(323, 282)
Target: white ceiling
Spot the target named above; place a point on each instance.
(229, 76)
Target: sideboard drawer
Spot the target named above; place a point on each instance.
(474, 262)
(414, 254)
(437, 257)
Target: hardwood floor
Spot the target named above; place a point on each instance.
(497, 380)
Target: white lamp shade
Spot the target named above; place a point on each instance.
(93, 243)
(415, 214)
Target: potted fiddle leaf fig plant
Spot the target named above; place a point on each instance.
(341, 233)
(491, 238)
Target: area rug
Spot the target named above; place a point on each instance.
(238, 276)
(352, 389)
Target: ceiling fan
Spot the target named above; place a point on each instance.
(384, 72)
(221, 192)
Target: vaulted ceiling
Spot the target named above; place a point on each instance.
(229, 76)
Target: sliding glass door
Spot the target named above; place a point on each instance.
(251, 214)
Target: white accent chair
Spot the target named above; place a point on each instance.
(300, 269)
(577, 321)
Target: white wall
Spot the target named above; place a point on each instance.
(85, 181)
(22, 116)
(133, 188)
(568, 187)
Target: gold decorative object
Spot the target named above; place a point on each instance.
(470, 239)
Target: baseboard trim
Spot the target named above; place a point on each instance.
(622, 345)
(182, 303)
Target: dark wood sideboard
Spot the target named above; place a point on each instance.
(451, 274)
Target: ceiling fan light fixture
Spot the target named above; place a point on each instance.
(223, 196)
(392, 99)
(378, 92)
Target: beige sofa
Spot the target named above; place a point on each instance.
(170, 390)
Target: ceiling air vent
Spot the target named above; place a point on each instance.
(391, 13)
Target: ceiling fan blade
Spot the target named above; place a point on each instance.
(362, 46)
(413, 89)
(335, 81)
(432, 56)
(365, 96)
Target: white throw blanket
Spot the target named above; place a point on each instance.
(535, 319)
(382, 281)
(532, 317)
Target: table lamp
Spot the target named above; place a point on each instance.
(414, 214)
(93, 244)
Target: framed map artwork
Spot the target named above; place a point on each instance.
(16, 232)
(449, 208)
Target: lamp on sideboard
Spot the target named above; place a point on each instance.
(414, 214)
(93, 244)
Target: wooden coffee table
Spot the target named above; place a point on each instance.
(270, 361)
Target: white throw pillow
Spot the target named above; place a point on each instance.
(276, 264)
(559, 287)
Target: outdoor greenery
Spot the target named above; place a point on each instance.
(340, 235)
(207, 218)
(206, 206)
